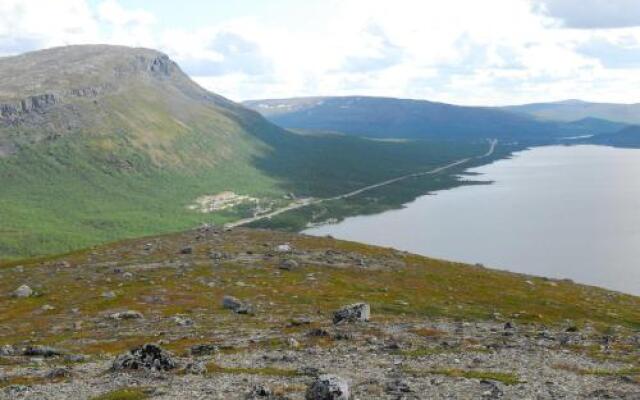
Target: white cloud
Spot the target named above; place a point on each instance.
(468, 52)
(591, 14)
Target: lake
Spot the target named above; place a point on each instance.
(556, 211)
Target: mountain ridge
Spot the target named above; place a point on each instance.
(411, 118)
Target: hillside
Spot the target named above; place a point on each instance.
(435, 329)
(100, 143)
(403, 118)
(627, 137)
(573, 110)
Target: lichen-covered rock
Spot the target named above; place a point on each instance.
(128, 314)
(196, 368)
(235, 305)
(288, 264)
(328, 387)
(148, 356)
(352, 313)
(7, 350)
(41, 351)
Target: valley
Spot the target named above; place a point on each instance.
(111, 155)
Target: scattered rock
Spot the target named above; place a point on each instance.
(283, 248)
(328, 387)
(235, 305)
(62, 264)
(352, 313)
(398, 386)
(7, 350)
(58, 373)
(47, 307)
(23, 291)
(41, 351)
(196, 368)
(128, 314)
(293, 343)
(127, 275)
(203, 349)
(258, 391)
(109, 295)
(148, 356)
(318, 332)
(186, 250)
(182, 321)
(288, 264)
(75, 358)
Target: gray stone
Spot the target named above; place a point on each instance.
(196, 368)
(352, 313)
(128, 314)
(23, 291)
(7, 350)
(235, 305)
(182, 321)
(148, 356)
(288, 264)
(58, 373)
(328, 387)
(203, 349)
(41, 351)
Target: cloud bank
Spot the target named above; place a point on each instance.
(468, 52)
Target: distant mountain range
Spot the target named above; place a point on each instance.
(420, 119)
(573, 110)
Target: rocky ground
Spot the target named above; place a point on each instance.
(252, 314)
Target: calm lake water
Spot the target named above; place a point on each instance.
(557, 211)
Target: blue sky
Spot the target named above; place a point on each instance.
(488, 52)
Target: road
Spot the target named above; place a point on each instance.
(307, 202)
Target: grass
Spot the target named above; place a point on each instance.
(630, 371)
(123, 394)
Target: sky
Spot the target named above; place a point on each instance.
(489, 52)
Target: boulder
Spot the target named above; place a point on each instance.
(235, 305)
(182, 321)
(41, 351)
(196, 368)
(288, 264)
(186, 250)
(352, 313)
(328, 387)
(148, 356)
(7, 350)
(23, 291)
(128, 314)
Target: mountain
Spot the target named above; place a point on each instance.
(100, 143)
(627, 137)
(403, 118)
(572, 110)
